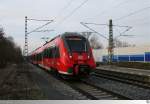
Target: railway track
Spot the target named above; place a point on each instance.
(93, 87)
(93, 92)
(123, 80)
(90, 90)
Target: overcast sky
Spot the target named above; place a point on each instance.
(13, 12)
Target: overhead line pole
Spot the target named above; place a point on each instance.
(35, 30)
(39, 27)
(111, 42)
(26, 38)
(110, 39)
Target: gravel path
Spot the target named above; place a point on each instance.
(26, 81)
(18, 84)
(67, 92)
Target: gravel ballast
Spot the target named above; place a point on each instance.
(131, 91)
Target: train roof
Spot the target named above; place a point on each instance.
(39, 49)
(71, 34)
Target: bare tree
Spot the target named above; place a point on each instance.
(95, 42)
(118, 43)
(1, 33)
(9, 52)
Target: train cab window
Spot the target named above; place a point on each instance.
(77, 44)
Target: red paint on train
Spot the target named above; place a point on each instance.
(68, 54)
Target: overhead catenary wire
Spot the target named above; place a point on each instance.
(64, 8)
(123, 2)
(71, 13)
(121, 33)
(37, 20)
(95, 23)
(100, 12)
(107, 9)
(106, 24)
(44, 30)
(48, 21)
(132, 13)
(40, 27)
(93, 30)
(128, 27)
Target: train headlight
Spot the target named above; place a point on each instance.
(70, 56)
(88, 56)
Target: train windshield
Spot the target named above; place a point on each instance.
(76, 44)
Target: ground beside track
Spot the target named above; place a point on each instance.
(17, 83)
(125, 70)
(26, 81)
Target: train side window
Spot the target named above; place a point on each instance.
(40, 56)
(57, 53)
(53, 52)
(49, 53)
(37, 57)
(45, 53)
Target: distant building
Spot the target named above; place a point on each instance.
(124, 54)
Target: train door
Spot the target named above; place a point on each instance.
(56, 56)
(53, 57)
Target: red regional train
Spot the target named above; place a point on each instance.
(68, 54)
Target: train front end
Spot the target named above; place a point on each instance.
(79, 60)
